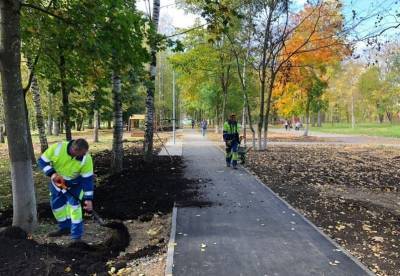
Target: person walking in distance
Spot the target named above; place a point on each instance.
(203, 127)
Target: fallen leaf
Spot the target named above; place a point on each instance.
(377, 239)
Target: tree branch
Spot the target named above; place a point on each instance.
(31, 74)
(187, 31)
(44, 11)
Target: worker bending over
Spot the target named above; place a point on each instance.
(70, 168)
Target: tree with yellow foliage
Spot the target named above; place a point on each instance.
(306, 74)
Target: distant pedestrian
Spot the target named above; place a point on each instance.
(297, 125)
(192, 123)
(203, 127)
(286, 125)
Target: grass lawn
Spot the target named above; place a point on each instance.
(385, 130)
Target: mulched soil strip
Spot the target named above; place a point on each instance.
(138, 192)
(22, 256)
(301, 174)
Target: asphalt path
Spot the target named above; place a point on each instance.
(247, 230)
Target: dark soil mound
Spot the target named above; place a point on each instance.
(143, 189)
(140, 191)
(20, 256)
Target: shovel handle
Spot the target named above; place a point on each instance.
(95, 215)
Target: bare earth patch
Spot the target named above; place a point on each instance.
(351, 192)
(138, 200)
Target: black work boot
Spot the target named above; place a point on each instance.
(60, 232)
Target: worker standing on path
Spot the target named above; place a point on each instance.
(70, 168)
(232, 140)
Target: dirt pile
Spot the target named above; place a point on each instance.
(22, 256)
(140, 191)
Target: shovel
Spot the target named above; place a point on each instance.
(93, 213)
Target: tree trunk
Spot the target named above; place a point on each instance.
(307, 116)
(24, 201)
(108, 124)
(353, 117)
(50, 115)
(313, 120)
(2, 140)
(244, 122)
(56, 127)
(261, 114)
(78, 124)
(90, 123)
(38, 112)
(149, 124)
(96, 126)
(389, 115)
(117, 146)
(224, 85)
(319, 119)
(380, 118)
(270, 88)
(65, 95)
(28, 130)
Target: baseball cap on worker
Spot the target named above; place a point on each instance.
(233, 115)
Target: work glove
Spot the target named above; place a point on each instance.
(88, 206)
(59, 181)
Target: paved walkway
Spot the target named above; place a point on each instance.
(248, 230)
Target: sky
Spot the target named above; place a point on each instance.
(170, 14)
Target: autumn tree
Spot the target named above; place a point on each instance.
(308, 67)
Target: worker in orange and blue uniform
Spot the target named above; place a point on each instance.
(70, 168)
(231, 138)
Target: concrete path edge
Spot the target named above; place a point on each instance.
(171, 244)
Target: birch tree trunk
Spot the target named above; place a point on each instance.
(117, 146)
(56, 126)
(50, 115)
(353, 117)
(149, 123)
(28, 130)
(38, 112)
(24, 201)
